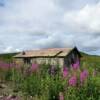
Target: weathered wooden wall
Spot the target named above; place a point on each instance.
(52, 61)
(71, 58)
(61, 61)
(18, 61)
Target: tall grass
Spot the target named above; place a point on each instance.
(46, 82)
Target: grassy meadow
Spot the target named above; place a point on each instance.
(46, 82)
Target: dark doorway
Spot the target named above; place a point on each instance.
(27, 60)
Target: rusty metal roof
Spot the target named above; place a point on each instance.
(45, 53)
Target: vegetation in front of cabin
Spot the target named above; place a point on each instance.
(46, 82)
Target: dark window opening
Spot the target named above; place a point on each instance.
(72, 61)
(27, 60)
(67, 62)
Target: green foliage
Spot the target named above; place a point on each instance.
(43, 86)
(32, 85)
(8, 75)
(7, 57)
(55, 87)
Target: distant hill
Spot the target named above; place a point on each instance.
(91, 61)
(7, 56)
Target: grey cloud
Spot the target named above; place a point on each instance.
(55, 40)
(2, 3)
(35, 24)
(74, 4)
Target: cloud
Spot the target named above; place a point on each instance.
(84, 20)
(74, 4)
(28, 16)
(85, 26)
(10, 49)
(55, 40)
(2, 3)
(35, 24)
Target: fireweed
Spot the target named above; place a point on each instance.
(34, 85)
(34, 67)
(83, 76)
(65, 72)
(73, 81)
(5, 65)
(75, 65)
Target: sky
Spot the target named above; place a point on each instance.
(37, 24)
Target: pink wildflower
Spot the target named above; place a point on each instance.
(73, 81)
(83, 75)
(5, 65)
(61, 96)
(65, 72)
(76, 65)
(34, 67)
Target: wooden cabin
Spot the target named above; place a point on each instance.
(52, 56)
